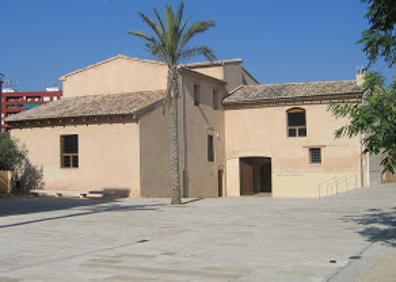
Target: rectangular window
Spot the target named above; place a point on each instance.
(69, 151)
(210, 149)
(197, 98)
(215, 97)
(315, 155)
(296, 123)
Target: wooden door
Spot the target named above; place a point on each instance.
(220, 182)
(246, 174)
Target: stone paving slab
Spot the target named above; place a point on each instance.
(347, 237)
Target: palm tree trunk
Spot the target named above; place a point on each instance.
(174, 173)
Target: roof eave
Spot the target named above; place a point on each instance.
(52, 121)
(213, 63)
(258, 102)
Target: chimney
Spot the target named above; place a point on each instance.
(360, 73)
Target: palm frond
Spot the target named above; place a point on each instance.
(204, 51)
(159, 19)
(195, 29)
(153, 25)
(143, 35)
(179, 13)
(183, 26)
(172, 33)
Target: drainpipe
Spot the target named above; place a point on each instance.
(1, 101)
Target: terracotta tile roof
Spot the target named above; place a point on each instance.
(93, 105)
(266, 92)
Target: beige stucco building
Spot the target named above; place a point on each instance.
(237, 137)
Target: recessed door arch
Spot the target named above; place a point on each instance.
(255, 175)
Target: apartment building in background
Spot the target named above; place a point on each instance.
(14, 101)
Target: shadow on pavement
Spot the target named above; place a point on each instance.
(28, 205)
(380, 225)
(89, 211)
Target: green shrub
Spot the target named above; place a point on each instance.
(25, 175)
(11, 156)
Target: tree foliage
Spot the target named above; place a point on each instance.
(374, 118)
(25, 175)
(171, 35)
(379, 39)
(11, 155)
(169, 42)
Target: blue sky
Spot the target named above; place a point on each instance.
(279, 41)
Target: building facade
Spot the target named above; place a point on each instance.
(14, 102)
(237, 137)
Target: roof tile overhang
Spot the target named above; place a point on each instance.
(289, 92)
(212, 63)
(134, 103)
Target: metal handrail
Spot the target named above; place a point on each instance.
(334, 184)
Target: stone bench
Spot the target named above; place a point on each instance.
(68, 193)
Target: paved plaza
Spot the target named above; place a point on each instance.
(347, 237)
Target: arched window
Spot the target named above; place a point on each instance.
(296, 122)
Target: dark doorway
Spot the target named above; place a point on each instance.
(220, 175)
(255, 175)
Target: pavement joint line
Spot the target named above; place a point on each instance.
(76, 255)
(350, 261)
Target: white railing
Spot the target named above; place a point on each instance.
(335, 185)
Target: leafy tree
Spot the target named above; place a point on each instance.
(375, 118)
(169, 43)
(10, 155)
(25, 176)
(379, 39)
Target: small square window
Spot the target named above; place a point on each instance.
(315, 155)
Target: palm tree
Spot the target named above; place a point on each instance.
(169, 43)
